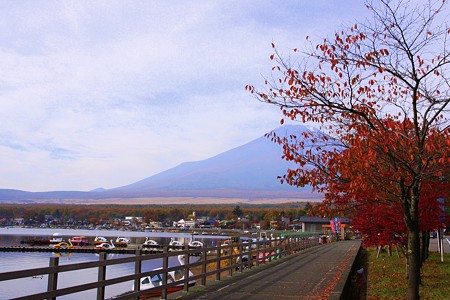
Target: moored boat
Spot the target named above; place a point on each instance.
(175, 245)
(105, 246)
(56, 238)
(79, 240)
(100, 240)
(63, 245)
(150, 244)
(150, 282)
(195, 244)
(121, 242)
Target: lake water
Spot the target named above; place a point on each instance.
(14, 261)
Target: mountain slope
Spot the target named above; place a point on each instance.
(249, 171)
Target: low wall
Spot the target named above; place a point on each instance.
(344, 289)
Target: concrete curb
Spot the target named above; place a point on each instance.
(343, 288)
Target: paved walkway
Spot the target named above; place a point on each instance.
(317, 273)
(434, 245)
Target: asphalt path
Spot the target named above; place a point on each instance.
(315, 273)
(434, 244)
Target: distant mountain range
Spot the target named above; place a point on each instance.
(249, 171)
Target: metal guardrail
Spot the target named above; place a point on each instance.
(221, 260)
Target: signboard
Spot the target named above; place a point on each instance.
(441, 201)
(335, 225)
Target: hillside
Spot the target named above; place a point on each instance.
(249, 171)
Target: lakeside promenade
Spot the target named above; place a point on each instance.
(320, 272)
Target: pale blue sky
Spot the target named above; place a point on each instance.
(106, 93)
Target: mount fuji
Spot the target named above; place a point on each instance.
(249, 171)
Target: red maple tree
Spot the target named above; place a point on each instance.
(380, 90)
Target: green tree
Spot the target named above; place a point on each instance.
(237, 211)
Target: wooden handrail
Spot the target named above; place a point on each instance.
(228, 258)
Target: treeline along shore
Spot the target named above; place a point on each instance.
(133, 216)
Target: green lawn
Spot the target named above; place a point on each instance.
(387, 276)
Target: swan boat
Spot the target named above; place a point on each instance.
(150, 244)
(175, 245)
(122, 242)
(156, 280)
(100, 240)
(177, 276)
(195, 244)
(105, 246)
(63, 245)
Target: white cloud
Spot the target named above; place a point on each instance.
(105, 93)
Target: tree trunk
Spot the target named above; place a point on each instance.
(413, 254)
(413, 263)
(424, 244)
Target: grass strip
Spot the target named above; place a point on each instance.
(387, 276)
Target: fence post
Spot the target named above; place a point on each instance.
(241, 260)
(165, 266)
(271, 247)
(138, 270)
(287, 246)
(204, 258)
(52, 284)
(257, 244)
(101, 277)
(218, 260)
(230, 260)
(186, 269)
(263, 251)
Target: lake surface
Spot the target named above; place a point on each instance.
(14, 261)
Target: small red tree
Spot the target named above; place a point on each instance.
(365, 184)
(381, 225)
(384, 85)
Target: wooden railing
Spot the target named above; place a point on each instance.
(214, 262)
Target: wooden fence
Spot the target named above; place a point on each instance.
(218, 261)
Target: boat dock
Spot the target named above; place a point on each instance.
(131, 249)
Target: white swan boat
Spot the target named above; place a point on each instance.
(150, 244)
(195, 244)
(156, 280)
(105, 246)
(149, 282)
(100, 240)
(122, 242)
(176, 245)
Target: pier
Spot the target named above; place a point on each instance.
(118, 250)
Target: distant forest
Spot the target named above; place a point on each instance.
(98, 213)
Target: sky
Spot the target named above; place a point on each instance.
(106, 93)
